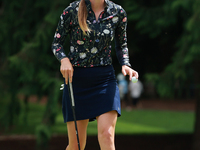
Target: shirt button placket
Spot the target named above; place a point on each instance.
(96, 24)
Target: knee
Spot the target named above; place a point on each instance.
(106, 134)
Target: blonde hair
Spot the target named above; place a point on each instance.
(82, 16)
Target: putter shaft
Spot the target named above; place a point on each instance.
(73, 110)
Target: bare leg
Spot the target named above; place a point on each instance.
(106, 130)
(82, 132)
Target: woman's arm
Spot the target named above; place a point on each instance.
(121, 39)
(121, 46)
(62, 31)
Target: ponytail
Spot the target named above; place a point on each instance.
(82, 16)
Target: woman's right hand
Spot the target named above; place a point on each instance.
(66, 69)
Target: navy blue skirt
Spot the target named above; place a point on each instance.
(95, 92)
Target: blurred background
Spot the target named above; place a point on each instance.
(162, 112)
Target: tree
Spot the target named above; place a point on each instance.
(28, 65)
(183, 71)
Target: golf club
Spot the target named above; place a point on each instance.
(71, 95)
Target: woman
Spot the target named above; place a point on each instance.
(92, 26)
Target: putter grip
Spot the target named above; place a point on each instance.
(71, 94)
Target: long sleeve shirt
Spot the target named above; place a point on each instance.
(93, 49)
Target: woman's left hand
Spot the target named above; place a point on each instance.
(126, 70)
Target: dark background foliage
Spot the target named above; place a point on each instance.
(163, 41)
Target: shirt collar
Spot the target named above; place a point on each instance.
(108, 4)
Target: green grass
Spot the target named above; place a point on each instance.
(155, 121)
(151, 122)
(133, 122)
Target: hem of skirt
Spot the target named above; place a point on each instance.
(93, 118)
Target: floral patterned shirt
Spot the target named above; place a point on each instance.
(93, 49)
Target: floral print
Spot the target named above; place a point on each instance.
(93, 49)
